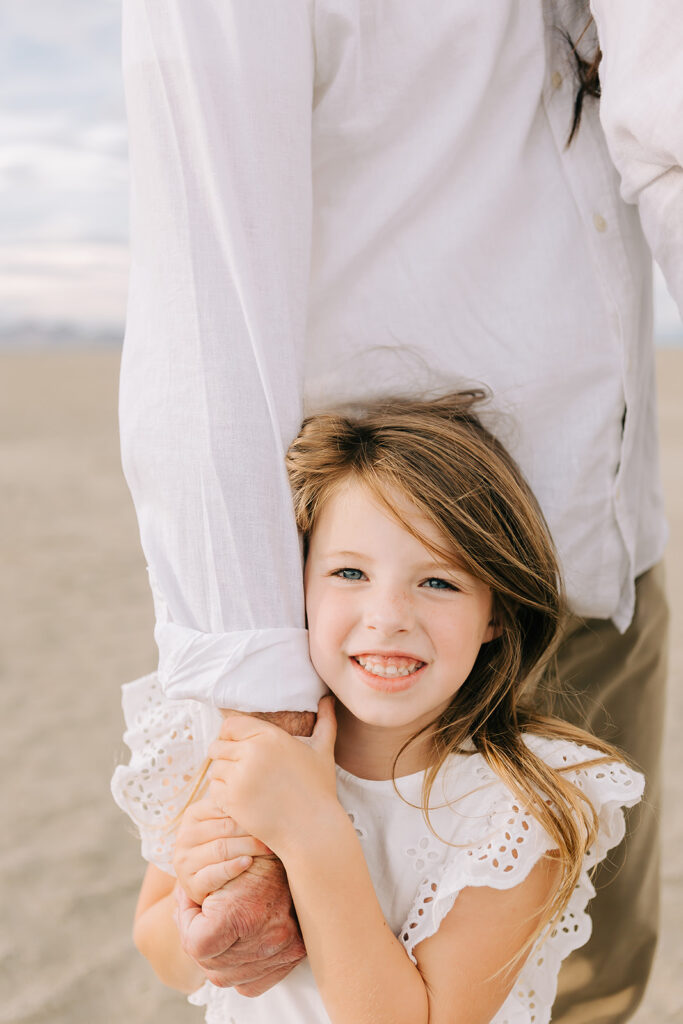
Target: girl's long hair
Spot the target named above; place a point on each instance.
(438, 455)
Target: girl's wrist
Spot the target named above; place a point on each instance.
(327, 832)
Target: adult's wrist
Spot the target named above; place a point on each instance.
(296, 723)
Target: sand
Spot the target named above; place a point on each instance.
(77, 617)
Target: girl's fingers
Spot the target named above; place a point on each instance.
(223, 750)
(206, 810)
(239, 846)
(208, 821)
(214, 876)
(238, 726)
(222, 850)
(219, 794)
(325, 729)
(195, 833)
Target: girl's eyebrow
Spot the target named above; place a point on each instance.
(445, 567)
(347, 554)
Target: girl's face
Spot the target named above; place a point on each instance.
(393, 631)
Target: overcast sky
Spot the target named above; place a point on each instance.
(63, 173)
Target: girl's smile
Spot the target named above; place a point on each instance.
(393, 631)
(388, 673)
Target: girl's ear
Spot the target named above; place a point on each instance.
(493, 631)
(495, 626)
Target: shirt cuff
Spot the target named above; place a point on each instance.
(248, 670)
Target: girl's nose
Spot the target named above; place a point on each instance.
(389, 612)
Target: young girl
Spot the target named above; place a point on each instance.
(437, 833)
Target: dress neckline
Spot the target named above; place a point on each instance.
(378, 783)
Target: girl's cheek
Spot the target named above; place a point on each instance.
(327, 625)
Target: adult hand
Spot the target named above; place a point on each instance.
(244, 936)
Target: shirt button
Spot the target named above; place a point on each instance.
(556, 80)
(599, 223)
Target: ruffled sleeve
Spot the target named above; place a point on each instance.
(168, 740)
(499, 847)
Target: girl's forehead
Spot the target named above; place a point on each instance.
(354, 510)
(354, 501)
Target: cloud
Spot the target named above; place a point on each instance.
(46, 288)
(63, 172)
(63, 166)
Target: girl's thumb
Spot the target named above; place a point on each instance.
(325, 729)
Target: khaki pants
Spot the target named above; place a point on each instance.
(614, 685)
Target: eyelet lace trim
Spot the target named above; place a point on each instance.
(501, 844)
(167, 743)
(511, 841)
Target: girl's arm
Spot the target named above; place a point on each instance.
(362, 971)
(156, 936)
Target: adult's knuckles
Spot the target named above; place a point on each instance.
(250, 979)
(281, 942)
(207, 947)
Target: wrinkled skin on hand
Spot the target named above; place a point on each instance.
(245, 936)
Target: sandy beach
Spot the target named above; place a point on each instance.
(77, 618)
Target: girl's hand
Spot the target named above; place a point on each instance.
(281, 788)
(211, 849)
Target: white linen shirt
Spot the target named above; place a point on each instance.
(335, 199)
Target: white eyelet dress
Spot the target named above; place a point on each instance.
(487, 838)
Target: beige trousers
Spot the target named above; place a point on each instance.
(614, 684)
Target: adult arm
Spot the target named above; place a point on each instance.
(641, 110)
(219, 101)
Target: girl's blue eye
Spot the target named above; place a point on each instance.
(349, 574)
(434, 583)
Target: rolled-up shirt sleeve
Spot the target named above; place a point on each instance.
(641, 110)
(219, 100)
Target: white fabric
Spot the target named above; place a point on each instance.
(417, 878)
(336, 198)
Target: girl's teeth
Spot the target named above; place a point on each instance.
(387, 670)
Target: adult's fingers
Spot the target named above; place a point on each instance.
(234, 967)
(205, 932)
(186, 911)
(257, 987)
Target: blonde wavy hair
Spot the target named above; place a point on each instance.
(439, 456)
